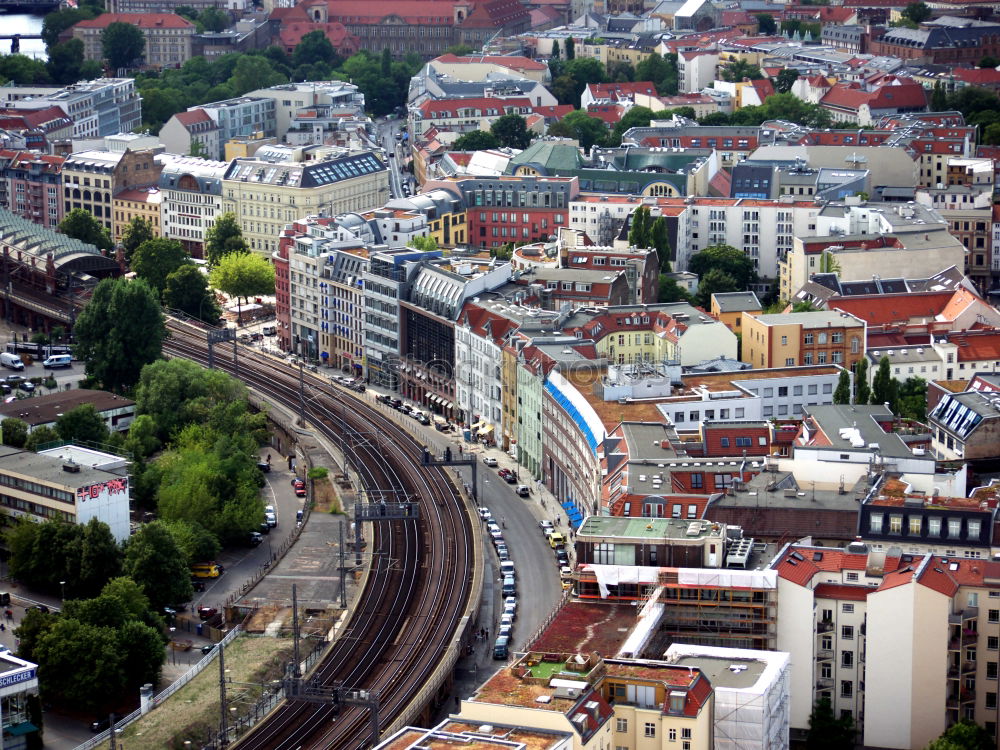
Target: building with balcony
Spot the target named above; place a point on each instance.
(31, 186)
(98, 108)
(191, 199)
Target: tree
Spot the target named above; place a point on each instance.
(671, 291)
(54, 24)
(39, 437)
(939, 98)
(142, 441)
(314, 47)
(636, 117)
(987, 62)
(991, 136)
(659, 239)
(243, 275)
(156, 259)
(883, 385)
(581, 71)
(587, 130)
(78, 664)
(254, 72)
(14, 431)
(728, 259)
(194, 540)
(917, 12)
(740, 70)
(137, 231)
(475, 140)
(82, 423)
(766, 24)
(827, 732)
(511, 131)
(23, 69)
(100, 559)
(570, 48)
(555, 49)
(842, 393)
(425, 244)
(965, 735)
(911, 398)
(65, 61)
(122, 44)
(223, 237)
(81, 225)
(187, 290)
(459, 50)
(715, 281)
(119, 331)
(639, 227)
(153, 560)
(214, 19)
(785, 79)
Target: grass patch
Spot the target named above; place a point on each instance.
(193, 711)
(325, 497)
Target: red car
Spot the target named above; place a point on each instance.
(207, 613)
(300, 487)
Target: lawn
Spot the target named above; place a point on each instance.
(193, 711)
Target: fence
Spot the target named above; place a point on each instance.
(176, 685)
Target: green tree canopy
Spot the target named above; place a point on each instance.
(827, 732)
(137, 231)
(214, 19)
(511, 131)
(917, 12)
(82, 423)
(425, 244)
(154, 561)
(154, 260)
(842, 393)
(861, 386)
(314, 47)
(715, 281)
(56, 23)
(587, 130)
(254, 72)
(671, 291)
(740, 70)
(81, 225)
(883, 384)
(224, 237)
(476, 140)
(911, 398)
(766, 23)
(15, 432)
(123, 45)
(65, 63)
(784, 80)
(735, 263)
(965, 735)
(187, 290)
(23, 69)
(640, 224)
(243, 275)
(39, 437)
(119, 332)
(194, 540)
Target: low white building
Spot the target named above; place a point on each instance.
(751, 693)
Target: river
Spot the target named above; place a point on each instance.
(23, 23)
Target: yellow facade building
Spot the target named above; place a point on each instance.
(143, 203)
(280, 185)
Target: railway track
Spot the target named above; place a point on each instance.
(421, 571)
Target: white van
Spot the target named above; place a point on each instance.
(12, 361)
(270, 330)
(58, 360)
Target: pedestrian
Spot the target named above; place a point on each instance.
(268, 459)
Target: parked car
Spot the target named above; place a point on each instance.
(271, 519)
(490, 461)
(207, 613)
(207, 648)
(485, 514)
(546, 526)
(264, 466)
(496, 534)
(523, 490)
(502, 552)
(561, 557)
(254, 539)
(27, 386)
(556, 539)
(300, 488)
(500, 647)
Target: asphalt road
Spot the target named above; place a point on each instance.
(386, 137)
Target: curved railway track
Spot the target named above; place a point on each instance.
(420, 577)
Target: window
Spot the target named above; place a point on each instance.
(934, 526)
(991, 700)
(621, 725)
(724, 442)
(847, 659)
(992, 643)
(672, 735)
(649, 729)
(852, 577)
(991, 670)
(994, 615)
(895, 523)
(846, 689)
(789, 362)
(954, 528)
(808, 338)
(915, 524)
(875, 523)
(697, 480)
(847, 608)
(784, 340)
(685, 734)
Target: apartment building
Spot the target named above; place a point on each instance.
(603, 702)
(91, 179)
(802, 339)
(965, 426)
(136, 203)
(191, 199)
(906, 643)
(280, 184)
(70, 484)
(729, 307)
(98, 108)
(480, 338)
(212, 125)
(338, 99)
(30, 186)
(168, 37)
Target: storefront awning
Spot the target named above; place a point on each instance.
(476, 426)
(486, 428)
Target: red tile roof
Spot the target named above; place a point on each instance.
(884, 309)
(975, 347)
(977, 76)
(192, 117)
(142, 20)
(514, 62)
(841, 592)
(763, 87)
(340, 37)
(625, 90)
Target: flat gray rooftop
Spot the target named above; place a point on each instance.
(720, 673)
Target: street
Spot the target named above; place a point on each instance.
(386, 131)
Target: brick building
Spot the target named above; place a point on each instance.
(792, 339)
(91, 179)
(168, 37)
